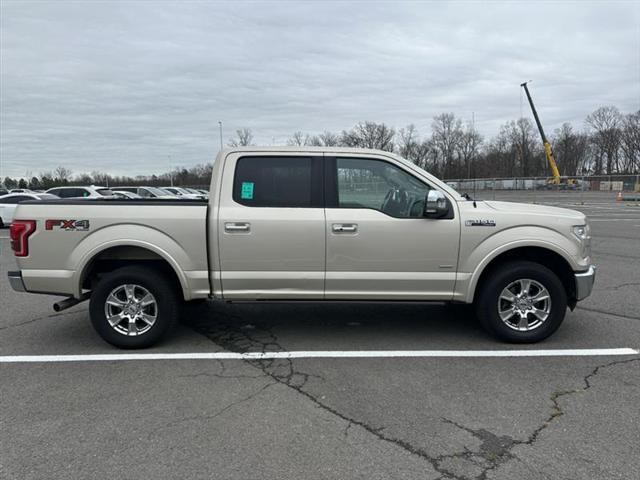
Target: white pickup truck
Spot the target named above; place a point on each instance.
(318, 224)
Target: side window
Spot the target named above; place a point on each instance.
(278, 182)
(55, 191)
(381, 186)
(143, 192)
(69, 193)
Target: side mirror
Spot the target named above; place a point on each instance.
(435, 205)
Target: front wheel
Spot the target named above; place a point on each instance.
(521, 302)
(133, 307)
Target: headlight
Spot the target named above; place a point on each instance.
(581, 231)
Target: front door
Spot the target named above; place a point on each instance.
(271, 227)
(379, 245)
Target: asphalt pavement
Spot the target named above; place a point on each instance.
(314, 418)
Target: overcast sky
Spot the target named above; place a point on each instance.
(122, 86)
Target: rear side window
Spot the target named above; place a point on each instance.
(105, 192)
(278, 182)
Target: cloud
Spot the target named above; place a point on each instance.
(134, 87)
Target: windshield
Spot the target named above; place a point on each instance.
(440, 184)
(47, 196)
(105, 192)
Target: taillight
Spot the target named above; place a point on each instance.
(19, 232)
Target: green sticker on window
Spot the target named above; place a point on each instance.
(247, 191)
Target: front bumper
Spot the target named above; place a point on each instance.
(15, 280)
(584, 283)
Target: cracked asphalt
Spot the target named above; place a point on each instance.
(413, 418)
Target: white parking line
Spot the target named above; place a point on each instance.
(113, 357)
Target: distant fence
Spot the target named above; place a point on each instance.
(607, 185)
(602, 183)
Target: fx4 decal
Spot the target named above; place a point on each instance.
(67, 225)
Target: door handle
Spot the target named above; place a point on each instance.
(344, 228)
(235, 227)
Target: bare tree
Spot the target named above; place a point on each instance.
(62, 175)
(469, 148)
(631, 143)
(84, 179)
(527, 149)
(369, 135)
(325, 139)
(606, 123)
(412, 148)
(571, 150)
(243, 138)
(299, 139)
(101, 178)
(446, 132)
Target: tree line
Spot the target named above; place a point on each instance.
(608, 144)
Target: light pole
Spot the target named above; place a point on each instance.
(220, 124)
(170, 170)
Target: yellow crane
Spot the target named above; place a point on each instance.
(555, 179)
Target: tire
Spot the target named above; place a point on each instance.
(124, 295)
(514, 315)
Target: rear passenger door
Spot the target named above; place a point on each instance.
(271, 227)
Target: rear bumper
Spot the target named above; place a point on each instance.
(584, 283)
(15, 280)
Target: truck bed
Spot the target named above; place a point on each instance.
(71, 233)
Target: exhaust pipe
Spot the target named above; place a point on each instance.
(70, 302)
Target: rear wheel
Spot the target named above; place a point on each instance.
(521, 302)
(133, 307)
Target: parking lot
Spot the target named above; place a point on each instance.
(454, 416)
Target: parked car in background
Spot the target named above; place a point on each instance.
(184, 193)
(195, 191)
(146, 192)
(9, 202)
(125, 194)
(81, 192)
(21, 190)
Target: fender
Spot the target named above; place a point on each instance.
(503, 241)
(130, 235)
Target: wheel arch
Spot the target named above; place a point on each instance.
(113, 255)
(543, 255)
